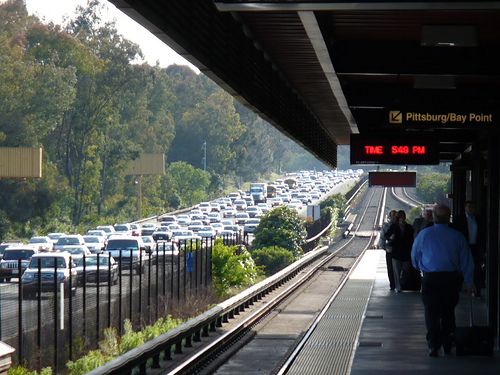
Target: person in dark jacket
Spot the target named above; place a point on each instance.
(400, 237)
(423, 221)
(382, 244)
(471, 227)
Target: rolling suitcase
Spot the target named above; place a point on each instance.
(474, 340)
(410, 278)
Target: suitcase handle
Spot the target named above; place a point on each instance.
(471, 312)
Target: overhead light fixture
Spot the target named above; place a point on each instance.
(448, 36)
(435, 82)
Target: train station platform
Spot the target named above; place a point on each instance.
(391, 331)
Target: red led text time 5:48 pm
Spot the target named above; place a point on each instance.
(395, 150)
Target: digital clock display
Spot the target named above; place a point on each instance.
(401, 149)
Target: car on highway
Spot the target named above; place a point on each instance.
(167, 219)
(183, 220)
(235, 229)
(228, 212)
(136, 229)
(207, 233)
(54, 236)
(147, 231)
(162, 234)
(76, 251)
(68, 240)
(124, 229)
(249, 228)
(240, 205)
(205, 207)
(42, 243)
(129, 250)
(234, 196)
(97, 232)
(241, 218)
(215, 207)
(254, 211)
(107, 269)
(9, 265)
(264, 207)
(184, 235)
(169, 248)
(149, 243)
(218, 227)
(95, 244)
(109, 229)
(50, 264)
(5, 245)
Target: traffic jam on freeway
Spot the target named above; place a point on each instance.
(237, 214)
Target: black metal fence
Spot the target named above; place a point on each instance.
(51, 323)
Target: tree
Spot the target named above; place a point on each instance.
(232, 266)
(433, 187)
(272, 259)
(190, 183)
(281, 227)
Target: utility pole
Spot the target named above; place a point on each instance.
(204, 159)
(138, 182)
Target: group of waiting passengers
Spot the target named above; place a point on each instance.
(397, 236)
(438, 258)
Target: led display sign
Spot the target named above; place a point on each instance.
(392, 179)
(404, 149)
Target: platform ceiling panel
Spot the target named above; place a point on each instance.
(323, 70)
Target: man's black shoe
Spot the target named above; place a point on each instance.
(433, 353)
(447, 349)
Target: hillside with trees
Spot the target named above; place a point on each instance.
(75, 90)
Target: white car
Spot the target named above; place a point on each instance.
(205, 207)
(69, 240)
(254, 211)
(240, 204)
(77, 251)
(54, 236)
(42, 243)
(95, 244)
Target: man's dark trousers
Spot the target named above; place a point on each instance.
(440, 291)
(390, 271)
(477, 256)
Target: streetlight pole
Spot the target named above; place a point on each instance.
(204, 159)
(138, 181)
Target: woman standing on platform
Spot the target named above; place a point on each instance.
(400, 238)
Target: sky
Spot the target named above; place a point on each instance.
(153, 49)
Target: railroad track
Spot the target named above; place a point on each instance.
(206, 361)
(402, 196)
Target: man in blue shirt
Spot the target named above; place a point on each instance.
(443, 255)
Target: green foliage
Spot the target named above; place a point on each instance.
(272, 259)
(334, 201)
(77, 92)
(281, 227)
(413, 214)
(189, 182)
(232, 267)
(433, 187)
(112, 345)
(92, 360)
(20, 370)
(130, 339)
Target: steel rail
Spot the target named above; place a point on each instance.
(193, 362)
(411, 198)
(402, 200)
(286, 366)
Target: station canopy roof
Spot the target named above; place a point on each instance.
(323, 70)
